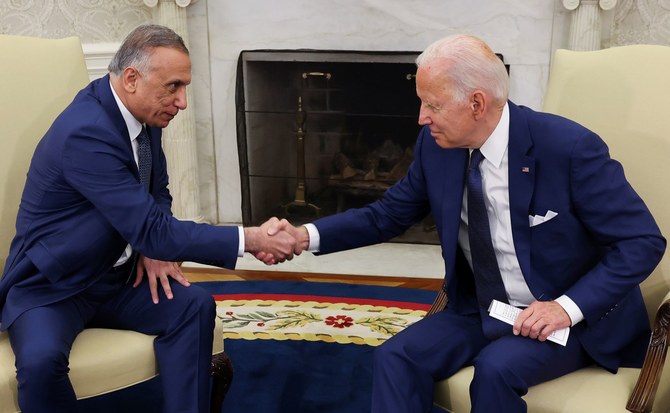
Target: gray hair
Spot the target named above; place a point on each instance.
(140, 43)
(468, 64)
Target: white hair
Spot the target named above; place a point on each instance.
(468, 64)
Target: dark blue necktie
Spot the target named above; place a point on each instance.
(144, 157)
(488, 281)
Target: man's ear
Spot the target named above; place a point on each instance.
(130, 77)
(478, 104)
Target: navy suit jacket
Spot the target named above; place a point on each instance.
(597, 250)
(83, 203)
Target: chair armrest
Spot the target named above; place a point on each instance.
(642, 398)
(439, 304)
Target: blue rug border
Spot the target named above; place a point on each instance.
(334, 289)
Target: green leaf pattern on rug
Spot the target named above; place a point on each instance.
(284, 319)
(384, 324)
(293, 318)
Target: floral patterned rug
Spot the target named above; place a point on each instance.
(315, 318)
(296, 347)
(302, 347)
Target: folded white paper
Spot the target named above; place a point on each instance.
(508, 314)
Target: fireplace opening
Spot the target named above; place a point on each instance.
(320, 132)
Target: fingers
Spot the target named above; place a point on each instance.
(300, 234)
(165, 283)
(529, 323)
(160, 272)
(268, 259)
(178, 275)
(540, 320)
(277, 225)
(276, 241)
(139, 274)
(153, 287)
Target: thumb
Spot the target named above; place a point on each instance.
(139, 274)
(277, 226)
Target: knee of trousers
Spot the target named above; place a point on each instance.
(492, 368)
(391, 351)
(40, 364)
(204, 306)
(207, 305)
(195, 300)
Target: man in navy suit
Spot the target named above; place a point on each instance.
(571, 239)
(88, 223)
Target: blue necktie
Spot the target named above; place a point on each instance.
(488, 281)
(144, 158)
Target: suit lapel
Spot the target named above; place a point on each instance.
(155, 139)
(456, 161)
(109, 103)
(521, 185)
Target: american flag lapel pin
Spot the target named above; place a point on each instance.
(525, 169)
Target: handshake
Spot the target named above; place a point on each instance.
(275, 241)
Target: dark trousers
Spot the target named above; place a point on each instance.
(42, 338)
(407, 366)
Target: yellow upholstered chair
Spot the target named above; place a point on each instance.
(38, 79)
(622, 94)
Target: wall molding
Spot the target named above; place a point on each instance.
(98, 56)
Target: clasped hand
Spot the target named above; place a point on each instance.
(276, 241)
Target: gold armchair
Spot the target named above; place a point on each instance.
(38, 78)
(622, 94)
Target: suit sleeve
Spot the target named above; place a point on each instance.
(619, 221)
(96, 168)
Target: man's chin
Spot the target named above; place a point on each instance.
(160, 123)
(441, 141)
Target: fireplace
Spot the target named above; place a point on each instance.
(320, 132)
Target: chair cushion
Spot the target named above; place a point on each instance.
(591, 390)
(102, 361)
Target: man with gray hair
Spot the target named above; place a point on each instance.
(532, 212)
(96, 244)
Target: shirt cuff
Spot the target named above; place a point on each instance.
(240, 245)
(314, 238)
(571, 308)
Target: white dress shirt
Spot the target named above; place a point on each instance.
(134, 128)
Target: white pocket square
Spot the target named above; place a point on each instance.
(539, 219)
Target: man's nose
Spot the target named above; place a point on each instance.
(180, 98)
(424, 119)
